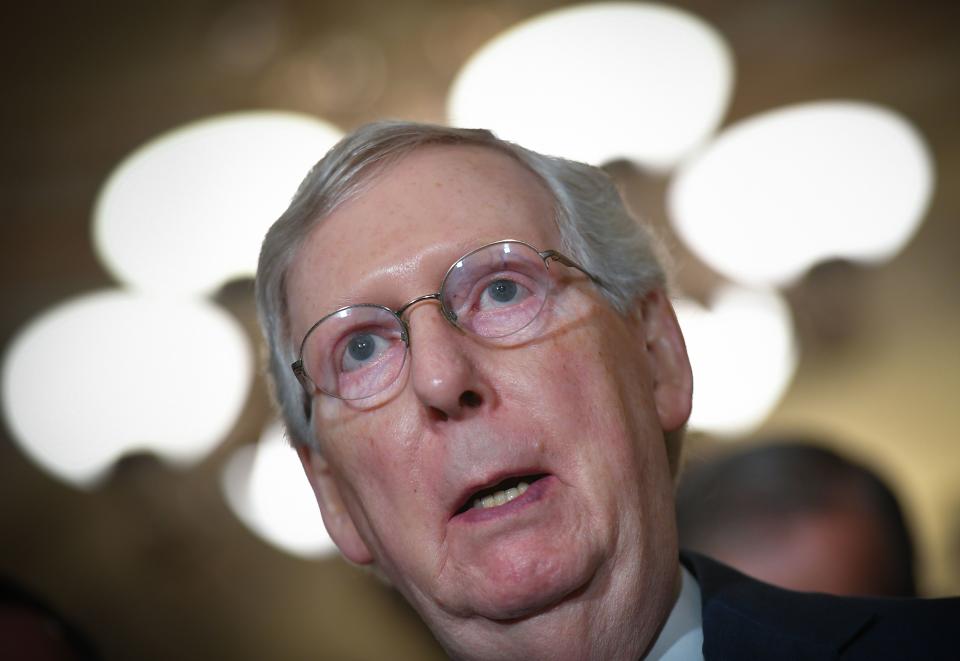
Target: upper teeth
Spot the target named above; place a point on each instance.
(501, 497)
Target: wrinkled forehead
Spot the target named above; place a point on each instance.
(395, 239)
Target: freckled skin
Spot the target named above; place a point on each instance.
(590, 569)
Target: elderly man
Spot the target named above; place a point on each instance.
(486, 383)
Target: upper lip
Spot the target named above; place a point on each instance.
(466, 495)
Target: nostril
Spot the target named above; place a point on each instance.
(470, 399)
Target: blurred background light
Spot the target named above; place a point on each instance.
(599, 82)
(187, 211)
(743, 354)
(266, 488)
(111, 373)
(781, 191)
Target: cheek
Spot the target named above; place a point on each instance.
(598, 379)
(378, 455)
(601, 402)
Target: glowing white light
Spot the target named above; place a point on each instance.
(188, 211)
(600, 81)
(266, 488)
(779, 192)
(110, 373)
(743, 355)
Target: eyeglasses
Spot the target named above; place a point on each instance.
(492, 292)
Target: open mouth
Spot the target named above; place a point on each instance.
(501, 493)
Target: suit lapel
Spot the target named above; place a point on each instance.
(746, 619)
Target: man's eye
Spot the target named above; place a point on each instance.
(362, 349)
(502, 291)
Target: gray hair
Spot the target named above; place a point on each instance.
(595, 229)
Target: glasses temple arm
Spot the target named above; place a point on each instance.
(553, 255)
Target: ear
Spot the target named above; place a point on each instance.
(340, 525)
(672, 377)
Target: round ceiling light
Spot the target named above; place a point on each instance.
(779, 192)
(112, 373)
(187, 212)
(599, 82)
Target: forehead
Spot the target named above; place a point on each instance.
(397, 238)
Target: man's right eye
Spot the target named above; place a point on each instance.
(362, 349)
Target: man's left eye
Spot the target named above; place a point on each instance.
(502, 291)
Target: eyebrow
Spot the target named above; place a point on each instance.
(382, 278)
(392, 300)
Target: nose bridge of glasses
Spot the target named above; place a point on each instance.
(448, 315)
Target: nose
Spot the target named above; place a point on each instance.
(443, 371)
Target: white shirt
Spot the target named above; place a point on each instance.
(681, 638)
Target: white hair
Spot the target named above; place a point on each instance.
(595, 229)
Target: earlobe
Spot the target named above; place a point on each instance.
(672, 377)
(338, 521)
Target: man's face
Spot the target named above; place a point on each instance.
(577, 412)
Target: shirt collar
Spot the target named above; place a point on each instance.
(681, 638)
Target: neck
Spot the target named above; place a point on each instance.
(591, 624)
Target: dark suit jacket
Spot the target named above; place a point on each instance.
(745, 619)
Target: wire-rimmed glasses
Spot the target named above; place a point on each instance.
(492, 292)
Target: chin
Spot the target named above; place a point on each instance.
(521, 586)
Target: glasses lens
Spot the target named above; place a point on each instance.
(497, 290)
(355, 352)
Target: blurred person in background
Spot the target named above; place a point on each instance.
(475, 357)
(798, 515)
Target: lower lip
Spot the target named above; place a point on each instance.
(534, 492)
